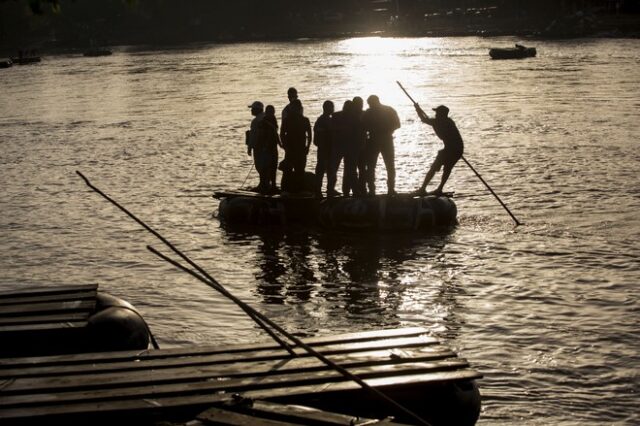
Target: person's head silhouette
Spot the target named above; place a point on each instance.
(292, 94)
(441, 111)
(256, 107)
(373, 101)
(358, 103)
(328, 107)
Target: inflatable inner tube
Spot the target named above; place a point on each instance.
(116, 325)
(388, 213)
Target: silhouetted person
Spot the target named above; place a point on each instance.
(292, 95)
(342, 133)
(296, 139)
(271, 142)
(380, 121)
(352, 146)
(255, 143)
(361, 135)
(446, 130)
(323, 139)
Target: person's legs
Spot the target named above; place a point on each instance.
(437, 165)
(446, 172)
(272, 169)
(362, 174)
(388, 155)
(350, 175)
(321, 167)
(332, 172)
(373, 149)
(258, 160)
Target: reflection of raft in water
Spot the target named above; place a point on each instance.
(68, 319)
(379, 213)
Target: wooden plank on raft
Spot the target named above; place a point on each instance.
(24, 299)
(49, 290)
(47, 308)
(41, 327)
(14, 390)
(256, 411)
(145, 382)
(43, 319)
(141, 404)
(390, 347)
(333, 344)
(221, 373)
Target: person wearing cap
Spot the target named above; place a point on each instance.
(254, 143)
(380, 121)
(447, 131)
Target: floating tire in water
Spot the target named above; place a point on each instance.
(401, 213)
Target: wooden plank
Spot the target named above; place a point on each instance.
(431, 352)
(48, 290)
(142, 404)
(24, 299)
(52, 307)
(56, 363)
(219, 416)
(319, 343)
(306, 415)
(387, 374)
(41, 327)
(225, 372)
(41, 319)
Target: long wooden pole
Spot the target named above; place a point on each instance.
(471, 167)
(209, 280)
(518, 223)
(256, 316)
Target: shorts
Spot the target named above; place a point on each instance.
(446, 158)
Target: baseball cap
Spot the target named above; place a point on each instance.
(441, 108)
(256, 105)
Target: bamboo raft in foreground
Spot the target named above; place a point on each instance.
(178, 384)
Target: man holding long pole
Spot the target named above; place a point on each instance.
(446, 130)
(448, 133)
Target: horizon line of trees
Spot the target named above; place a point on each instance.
(78, 22)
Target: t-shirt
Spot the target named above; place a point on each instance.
(446, 130)
(381, 122)
(294, 130)
(322, 131)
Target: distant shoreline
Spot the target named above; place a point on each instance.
(622, 26)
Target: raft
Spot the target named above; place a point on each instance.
(25, 60)
(222, 384)
(5, 62)
(381, 213)
(68, 319)
(512, 52)
(97, 52)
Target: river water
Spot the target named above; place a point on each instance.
(547, 311)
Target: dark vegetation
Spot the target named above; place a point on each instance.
(82, 23)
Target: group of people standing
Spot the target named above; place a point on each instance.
(352, 136)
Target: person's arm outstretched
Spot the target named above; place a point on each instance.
(423, 115)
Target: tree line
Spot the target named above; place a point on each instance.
(86, 22)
